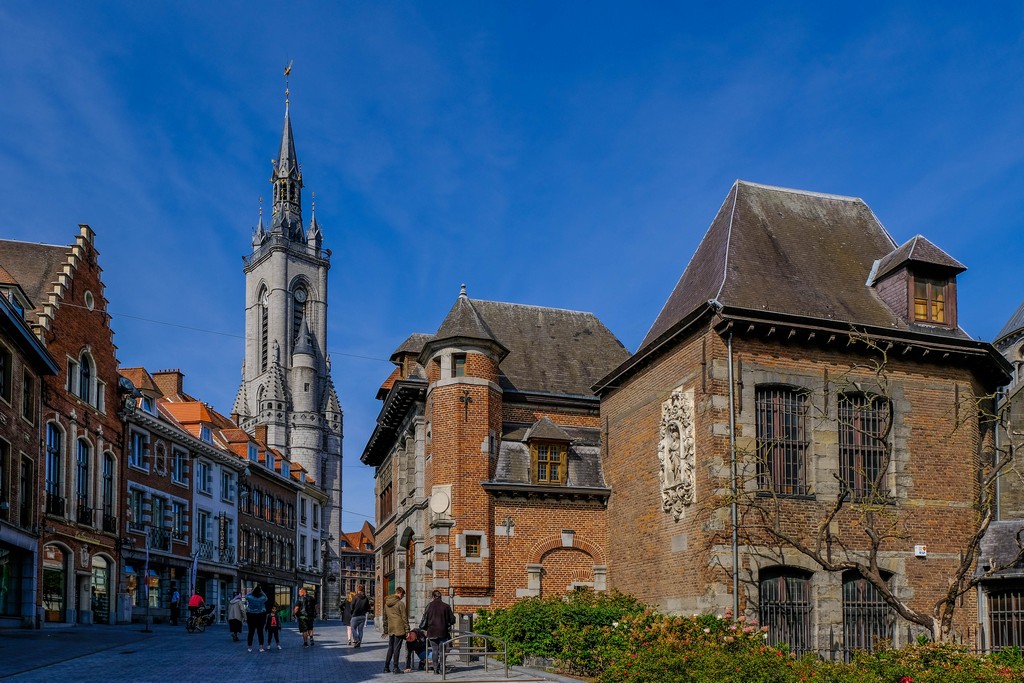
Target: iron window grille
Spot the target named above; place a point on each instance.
(1006, 617)
(863, 430)
(867, 617)
(782, 440)
(785, 608)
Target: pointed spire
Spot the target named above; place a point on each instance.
(304, 342)
(287, 179)
(259, 234)
(314, 237)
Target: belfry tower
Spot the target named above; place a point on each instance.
(286, 375)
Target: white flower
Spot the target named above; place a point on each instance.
(707, 630)
(615, 624)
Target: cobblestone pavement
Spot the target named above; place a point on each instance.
(95, 654)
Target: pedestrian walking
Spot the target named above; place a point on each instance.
(273, 626)
(360, 608)
(396, 625)
(175, 604)
(235, 615)
(345, 606)
(305, 613)
(416, 644)
(439, 619)
(255, 615)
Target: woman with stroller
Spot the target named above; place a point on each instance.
(255, 615)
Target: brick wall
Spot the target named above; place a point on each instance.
(683, 565)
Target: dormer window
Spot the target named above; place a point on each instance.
(205, 434)
(270, 460)
(549, 463)
(930, 301)
(254, 453)
(147, 405)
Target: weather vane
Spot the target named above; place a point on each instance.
(287, 73)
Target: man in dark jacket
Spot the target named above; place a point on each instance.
(440, 619)
(305, 613)
(360, 607)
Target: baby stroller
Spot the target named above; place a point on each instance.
(198, 621)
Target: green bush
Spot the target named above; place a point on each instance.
(567, 630)
(618, 640)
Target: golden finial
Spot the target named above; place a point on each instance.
(287, 73)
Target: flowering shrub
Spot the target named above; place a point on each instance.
(618, 640)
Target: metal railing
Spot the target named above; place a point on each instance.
(205, 550)
(109, 523)
(83, 515)
(470, 647)
(226, 554)
(54, 505)
(159, 539)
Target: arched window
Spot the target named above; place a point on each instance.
(261, 310)
(54, 460)
(867, 618)
(299, 297)
(785, 607)
(85, 378)
(83, 511)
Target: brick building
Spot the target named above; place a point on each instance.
(489, 483)
(80, 479)
(356, 566)
(23, 363)
(803, 344)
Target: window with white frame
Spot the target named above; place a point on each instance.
(204, 476)
(227, 486)
(179, 520)
(178, 459)
(204, 524)
(137, 443)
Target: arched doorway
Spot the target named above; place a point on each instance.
(100, 590)
(55, 584)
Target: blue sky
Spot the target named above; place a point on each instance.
(560, 154)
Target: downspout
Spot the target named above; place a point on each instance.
(733, 492)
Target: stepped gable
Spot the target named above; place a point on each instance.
(793, 252)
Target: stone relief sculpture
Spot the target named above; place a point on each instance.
(676, 453)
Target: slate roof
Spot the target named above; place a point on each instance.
(414, 343)
(1014, 324)
(513, 464)
(35, 267)
(999, 548)
(794, 252)
(550, 350)
(917, 250)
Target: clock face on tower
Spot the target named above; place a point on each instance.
(300, 295)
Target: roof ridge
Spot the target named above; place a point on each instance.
(38, 244)
(546, 308)
(807, 193)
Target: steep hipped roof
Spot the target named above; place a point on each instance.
(550, 350)
(139, 377)
(793, 252)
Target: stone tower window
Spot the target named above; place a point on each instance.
(264, 301)
(458, 365)
(298, 310)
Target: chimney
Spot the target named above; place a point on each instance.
(170, 382)
(261, 433)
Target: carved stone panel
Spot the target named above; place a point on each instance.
(676, 453)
